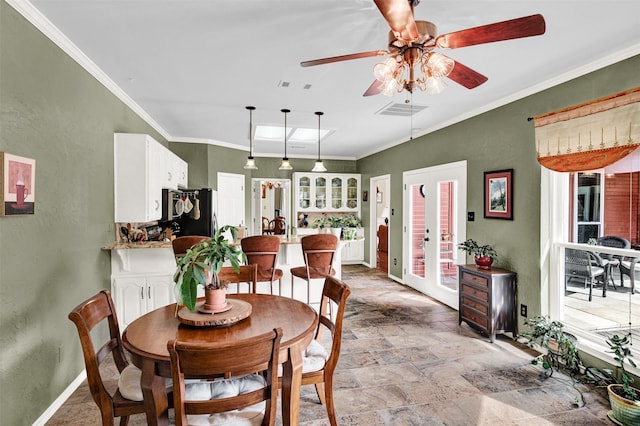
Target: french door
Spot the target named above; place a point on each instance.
(434, 206)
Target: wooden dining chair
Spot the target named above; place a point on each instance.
(248, 274)
(182, 244)
(278, 226)
(266, 230)
(127, 398)
(318, 251)
(318, 364)
(243, 396)
(262, 250)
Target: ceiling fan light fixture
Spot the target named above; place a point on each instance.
(439, 65)
(251, 162)
(285, 165)
(435, 85)
(385, 70)
(319, 167)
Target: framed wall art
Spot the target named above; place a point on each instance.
(18, 181)
(365, 196)
(498, 194)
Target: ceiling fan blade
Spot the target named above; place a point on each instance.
(465, 76)
(374, 89)
(344, 58)
(506, 30)
(399, 16)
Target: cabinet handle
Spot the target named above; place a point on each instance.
(157, 205)
(141, 293)
(169, 173)
(149, 292)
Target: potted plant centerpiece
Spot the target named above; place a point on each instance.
(482, 255)
(624, 399)
(201, 265)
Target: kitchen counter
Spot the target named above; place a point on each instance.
(138, 245)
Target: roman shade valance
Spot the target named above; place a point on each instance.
(591, 135)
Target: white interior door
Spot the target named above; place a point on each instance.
(434, 206)
(231, 199)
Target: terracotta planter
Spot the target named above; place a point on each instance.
(215, 300)
(483, 262)
(623, 411)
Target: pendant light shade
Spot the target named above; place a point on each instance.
(319, 167)
(251, 162)
(285, 161)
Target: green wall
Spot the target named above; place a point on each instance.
(55, 112)
(499, 139)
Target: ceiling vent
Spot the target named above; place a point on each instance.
(401, 110)
(294, 85)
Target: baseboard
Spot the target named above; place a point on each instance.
(60, 400)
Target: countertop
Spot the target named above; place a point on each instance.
(293, 239)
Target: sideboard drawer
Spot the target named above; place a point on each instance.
(481, 294)
(476, 305)
(475, 279)
(476, 318)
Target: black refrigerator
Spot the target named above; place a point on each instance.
(201, 218)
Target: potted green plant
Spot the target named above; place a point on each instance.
(321, 222)
(561, 346)
(482, 255)
(201, 265)
(624, 399)
(336, 225)
(351, 224)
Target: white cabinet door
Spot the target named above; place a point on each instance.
(129, 299)
(176, 176)
(142, 167)
(137, 178)
(353, 251)
(159, 291)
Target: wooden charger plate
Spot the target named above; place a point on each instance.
(239, 311)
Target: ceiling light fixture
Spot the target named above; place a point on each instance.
(251, 162)
(285, 161)
(319, 167)
(398, 73)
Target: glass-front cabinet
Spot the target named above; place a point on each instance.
(321, 192)
(303, 192)
(327, 192)
(336, 193)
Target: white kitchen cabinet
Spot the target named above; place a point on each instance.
(326, 192)
(177, 171)
(142, 167)
(134, 296)
(141, 281)
(353, 251)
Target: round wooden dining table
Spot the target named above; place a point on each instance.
(146, 339)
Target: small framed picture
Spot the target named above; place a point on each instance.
(379, 197)
(18, 179)
(365, 196)
(498, 194)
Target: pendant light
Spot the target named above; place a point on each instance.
(319, 167)
(285, 161)
(251, 163)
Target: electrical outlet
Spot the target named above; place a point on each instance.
(523, 310)
(395, 260)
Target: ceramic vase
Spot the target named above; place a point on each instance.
(483, 262)
(623, 411)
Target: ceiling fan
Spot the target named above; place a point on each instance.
(412, 61)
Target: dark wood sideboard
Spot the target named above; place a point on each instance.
(487, 299)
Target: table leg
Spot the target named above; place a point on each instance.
(154, 393)
(291, 384)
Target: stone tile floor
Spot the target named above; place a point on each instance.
(406, 361)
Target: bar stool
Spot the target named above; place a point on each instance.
(263, 251)
(318, 251)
